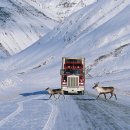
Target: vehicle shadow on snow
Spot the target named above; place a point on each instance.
(85, 99)
(43, 99)
(34, 93)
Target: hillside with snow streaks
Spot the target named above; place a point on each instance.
(98, 32)
(60, 8)
(23, 22)
(94, 29)
(21, 25)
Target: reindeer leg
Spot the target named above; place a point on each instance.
(50, 96)
(58, 96)
(111, 95)
(105, 96)
(54, 96)
(115, 96)
(98, 95)
(63, 96)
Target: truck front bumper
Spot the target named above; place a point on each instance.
(74, 89)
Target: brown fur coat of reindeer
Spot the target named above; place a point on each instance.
(54, 92)
(104, 90)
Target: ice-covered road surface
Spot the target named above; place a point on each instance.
(76, 112)
(101, 115)
(83, 112)
(24, 113)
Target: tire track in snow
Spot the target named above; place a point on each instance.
(17, 111)
(50, 121)
(52, 118)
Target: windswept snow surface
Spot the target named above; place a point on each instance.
(100, 33)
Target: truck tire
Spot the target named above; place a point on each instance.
(66, 92)
(82, 92)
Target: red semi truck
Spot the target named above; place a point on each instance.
(73, 75)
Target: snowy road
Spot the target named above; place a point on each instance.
(73, 113)
(34, 113)
(85, 113)
(100, 115)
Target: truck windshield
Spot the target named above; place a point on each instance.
(70, 71)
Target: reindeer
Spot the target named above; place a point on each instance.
(55, 91)
(104, 90)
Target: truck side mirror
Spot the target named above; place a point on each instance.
(61, 72)
(83, 72)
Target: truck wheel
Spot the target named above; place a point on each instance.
(82, 92)
(66, 92)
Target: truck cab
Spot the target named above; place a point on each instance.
(73, 75)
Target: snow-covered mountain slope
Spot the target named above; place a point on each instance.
(22, 22)
(3, 52)
(21, 25)
(60, 9)
(97, 30)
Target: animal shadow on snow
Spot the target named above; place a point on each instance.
(34, 93)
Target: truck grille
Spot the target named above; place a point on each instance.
(73, 81)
